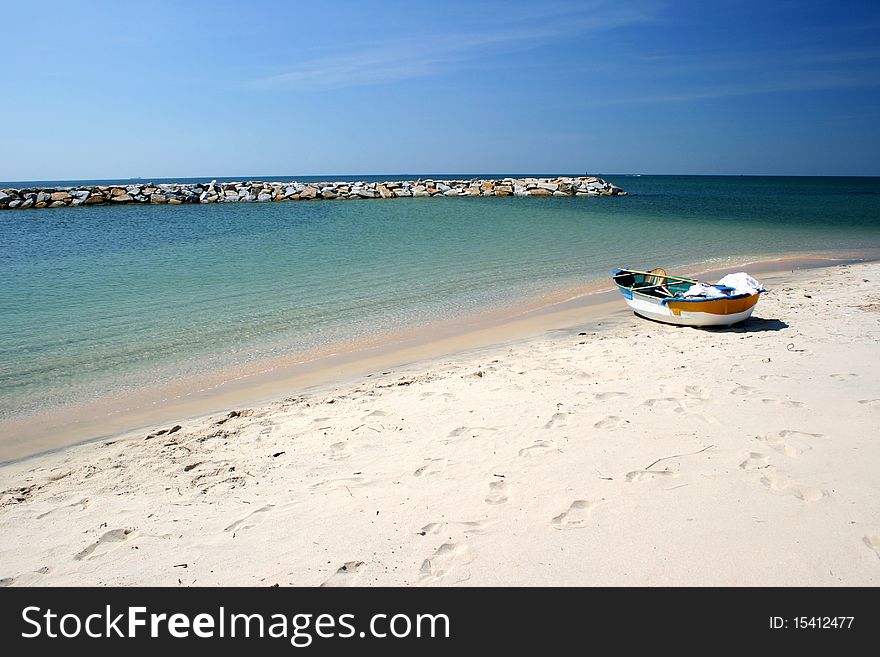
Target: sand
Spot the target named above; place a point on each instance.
(611, 451)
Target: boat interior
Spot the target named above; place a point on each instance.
(655, 283)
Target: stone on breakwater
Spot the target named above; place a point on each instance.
(264, 192)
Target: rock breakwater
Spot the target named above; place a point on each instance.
(263, 192)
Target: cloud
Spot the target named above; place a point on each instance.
(415, 57)
(791, 85)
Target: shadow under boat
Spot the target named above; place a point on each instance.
(750, 325)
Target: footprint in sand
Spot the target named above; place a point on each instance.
(843, 377)
(108, 541)
(610, 422)
(604, 396)
(467, 527)
(772, 377)
(497, 494)
(664, 402)
(345, 575)
(779, 483)
(445, 559)
(540, 447)
(456, 432)
(873, 542)
(870, 402)
(343, 483)
(432, 528)
(784, 402)
(475, 526)
(79, 506)
(791, 433)
(743, 391)
(340, 451)
(576, 516)
(251, 520)
(558, 419)
(755, 461)
(781, 444)
(648, 475)
(432, 467)
(696, 391)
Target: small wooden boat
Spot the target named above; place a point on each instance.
(675, 300)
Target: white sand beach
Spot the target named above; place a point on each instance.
(608, 451)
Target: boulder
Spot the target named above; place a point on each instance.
(540, 191)
(156, 198)
(308, 193)
(119, 198)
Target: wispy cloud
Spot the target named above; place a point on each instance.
(415, 57)
(812, 83)
(681, 78)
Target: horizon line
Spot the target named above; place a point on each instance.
(464, 175)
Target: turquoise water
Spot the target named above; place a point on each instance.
(96, 299)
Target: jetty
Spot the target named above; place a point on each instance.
(256, 191)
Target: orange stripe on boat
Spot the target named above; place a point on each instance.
(713, 306)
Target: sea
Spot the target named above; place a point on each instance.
(97, 300)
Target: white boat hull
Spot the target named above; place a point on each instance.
(713, 312)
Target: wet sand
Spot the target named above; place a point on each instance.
(265, 381)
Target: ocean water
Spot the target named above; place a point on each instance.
(102, 299)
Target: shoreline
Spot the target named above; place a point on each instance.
(267, 381)
(614, 452)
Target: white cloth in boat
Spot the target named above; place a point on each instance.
(702, 290)
(730, 285)
(741, 283)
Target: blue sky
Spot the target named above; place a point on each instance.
(174, 89)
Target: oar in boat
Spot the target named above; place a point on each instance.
(649, 273)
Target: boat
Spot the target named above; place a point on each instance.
(661, 297)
